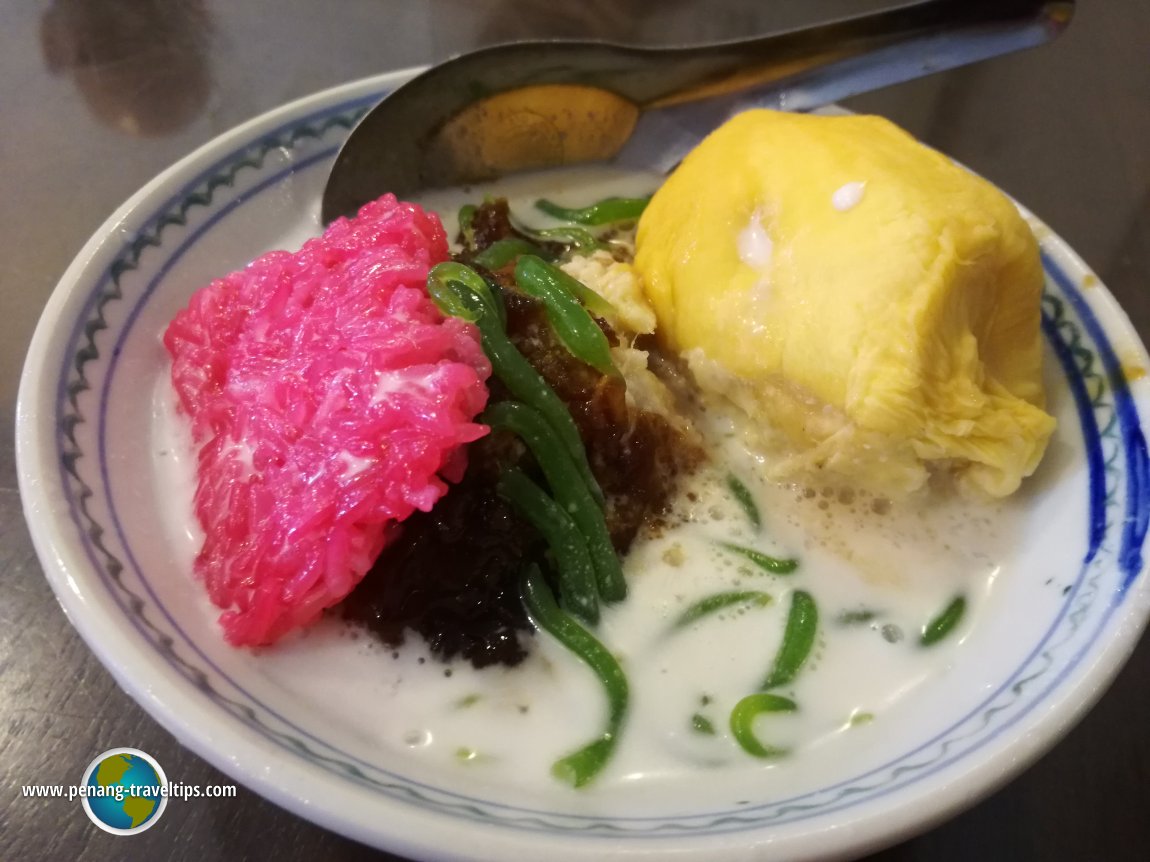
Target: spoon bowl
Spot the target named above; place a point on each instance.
(533, 105)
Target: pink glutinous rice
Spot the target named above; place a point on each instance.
(329, 399)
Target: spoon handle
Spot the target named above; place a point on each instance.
(797, 71)
(804, 68)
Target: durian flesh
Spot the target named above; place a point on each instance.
(872, 307)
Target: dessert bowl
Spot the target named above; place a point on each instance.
(311, 724)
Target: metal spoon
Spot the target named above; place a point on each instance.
(531, 105)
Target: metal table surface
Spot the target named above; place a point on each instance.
(97, 96)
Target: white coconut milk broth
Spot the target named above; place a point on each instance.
(503, 728)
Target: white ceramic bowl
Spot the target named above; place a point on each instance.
(91, 457)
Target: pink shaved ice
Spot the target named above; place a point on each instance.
(329, 399)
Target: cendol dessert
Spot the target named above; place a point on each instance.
(470, 444)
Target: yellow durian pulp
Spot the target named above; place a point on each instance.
(871, 306)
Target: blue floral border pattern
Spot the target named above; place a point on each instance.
(1111, 430)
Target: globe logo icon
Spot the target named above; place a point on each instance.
(123, 791)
